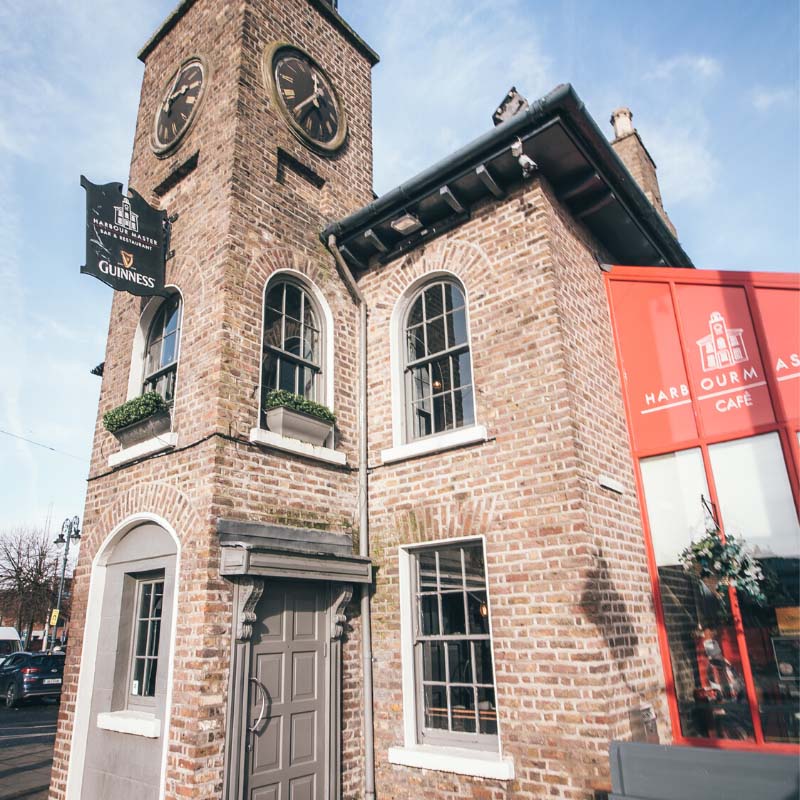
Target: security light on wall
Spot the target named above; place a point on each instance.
(406, 224)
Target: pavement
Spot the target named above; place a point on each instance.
(27, 735)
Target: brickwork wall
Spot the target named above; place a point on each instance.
(621, 604)
(243, 214)
(643, 169)
(573, 626)
(572, 619)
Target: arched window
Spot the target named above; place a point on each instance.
(161, 350)
(292, 348)
(437, 368)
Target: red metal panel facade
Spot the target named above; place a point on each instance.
(710, 368)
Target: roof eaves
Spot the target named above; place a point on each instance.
(621, 180)
(561, 103)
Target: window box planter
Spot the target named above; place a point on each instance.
(298, 425)
(147, 428)
(138, 420)
(294, 416)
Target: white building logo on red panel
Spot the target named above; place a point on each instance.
(723, 346)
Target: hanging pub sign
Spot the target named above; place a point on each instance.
(126, 239)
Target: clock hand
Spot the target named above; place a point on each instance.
(168, 102)
(312, 98)
(182, 90)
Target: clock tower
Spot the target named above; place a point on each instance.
(213, 650)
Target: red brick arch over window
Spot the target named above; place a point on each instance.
(710, 369)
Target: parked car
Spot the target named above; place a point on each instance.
(24, 676)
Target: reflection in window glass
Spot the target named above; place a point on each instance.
(148, 636)
(756, 506)
(161, 350)
(438, 376)
(453, 657)
(706, 664)
(291, 357)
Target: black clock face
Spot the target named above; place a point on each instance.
(308, 100)
(179, 105)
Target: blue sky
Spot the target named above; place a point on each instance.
(713, 87)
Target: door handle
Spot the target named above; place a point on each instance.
(264, 700)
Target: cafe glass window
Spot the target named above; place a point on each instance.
(708, 669)
(453, 667)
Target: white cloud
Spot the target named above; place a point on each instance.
(687, 168)
(672, 100)
(767, 98)
(683, 66)
(59, 115)
(457, 66)
(12, 334)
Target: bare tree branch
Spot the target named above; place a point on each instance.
(28, 576)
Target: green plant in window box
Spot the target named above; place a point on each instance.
(292, 415)
(720, 564)
(138, 419)
(280, 397)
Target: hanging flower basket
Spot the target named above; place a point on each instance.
(721, 564)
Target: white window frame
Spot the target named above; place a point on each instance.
(326, 333)
(139, 351)
(403, 446)
(137, 701)
(440, 756)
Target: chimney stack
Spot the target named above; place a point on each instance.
(629, 147)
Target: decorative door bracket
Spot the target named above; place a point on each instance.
(338, 617)
(250, 591)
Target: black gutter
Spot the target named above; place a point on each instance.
(622, 182)
(562, 103)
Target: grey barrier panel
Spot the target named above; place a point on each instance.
(642, 771)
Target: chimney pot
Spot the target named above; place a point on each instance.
(622, 120)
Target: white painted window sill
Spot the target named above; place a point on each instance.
(136, 723)
(155, 445)
(435, 444)
(457, 760)
(288, 445)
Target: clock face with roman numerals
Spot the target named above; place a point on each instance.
(179, 105)
(305, 97)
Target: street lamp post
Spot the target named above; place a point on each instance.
(69, 531)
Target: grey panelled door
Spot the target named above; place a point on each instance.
(287, 704)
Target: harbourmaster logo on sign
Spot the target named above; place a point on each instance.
(125, 240)
(723, 346)
(125, 218)
(705, 354)
(723, 354)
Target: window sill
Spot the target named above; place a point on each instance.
(435, 444)
(288, 445)
(457, 760)
(135, 723)
(166, 441)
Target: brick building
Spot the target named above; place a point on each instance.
(445, 594)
